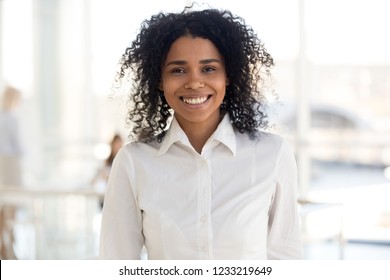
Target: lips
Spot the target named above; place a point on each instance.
(195, 100)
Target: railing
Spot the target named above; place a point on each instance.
(43, 223)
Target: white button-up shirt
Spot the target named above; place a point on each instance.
(235, 200)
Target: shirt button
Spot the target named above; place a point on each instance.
(203, 219)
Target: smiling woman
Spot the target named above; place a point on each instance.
(243, 101)
(194, 81)
(174, 189)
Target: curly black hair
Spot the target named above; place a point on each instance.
(247, 65)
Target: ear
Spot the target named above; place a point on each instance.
(160, 86)
(227, 81)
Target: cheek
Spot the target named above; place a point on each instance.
(169, 97)
(168, 86)
(168, 92)
(221, 88)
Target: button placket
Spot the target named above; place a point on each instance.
(204, 207)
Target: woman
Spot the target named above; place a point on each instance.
(200, 181)
(11, 153)
(100, 180)
(11, 150)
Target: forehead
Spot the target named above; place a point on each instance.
(188, 48)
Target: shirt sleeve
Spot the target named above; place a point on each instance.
(121, 234)
(284, 232)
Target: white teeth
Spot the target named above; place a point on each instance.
(195, 101)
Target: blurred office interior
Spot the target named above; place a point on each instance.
(331, 100)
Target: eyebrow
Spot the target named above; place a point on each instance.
(203, 61)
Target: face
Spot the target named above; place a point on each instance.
(194, 81)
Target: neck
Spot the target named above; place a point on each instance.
(199, 132)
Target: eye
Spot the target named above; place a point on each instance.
(177, 71)
(208, 69)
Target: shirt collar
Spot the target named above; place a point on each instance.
(224, 134)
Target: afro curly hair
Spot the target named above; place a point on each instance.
(247, 65)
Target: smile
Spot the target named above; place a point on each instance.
(195, 101)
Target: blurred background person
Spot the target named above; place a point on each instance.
(100, 180)
(10, 165)
(10, 142)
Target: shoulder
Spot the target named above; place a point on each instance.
(260, 139)
(278, 143)
(265, 145)
(139, 149)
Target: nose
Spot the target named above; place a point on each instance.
(194, 82)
